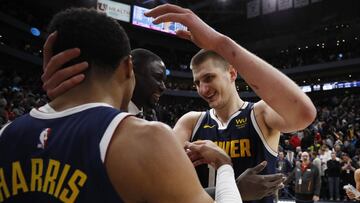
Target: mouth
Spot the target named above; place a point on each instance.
(210, 97)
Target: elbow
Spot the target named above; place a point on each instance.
(309, 115)
(306, 115)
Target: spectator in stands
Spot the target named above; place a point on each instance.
(347, 171)
(307, 180)
(283, 166)
(324, 155)
(333, 174)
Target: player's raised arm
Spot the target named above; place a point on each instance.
(284, 107)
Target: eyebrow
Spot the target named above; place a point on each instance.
(204, 76)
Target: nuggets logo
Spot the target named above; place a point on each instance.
(241, 122)
(43, 138)
(208, 126)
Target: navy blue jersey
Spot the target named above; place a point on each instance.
(58, 157)
(241, 138)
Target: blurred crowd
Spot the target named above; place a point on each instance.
(333, 141)
(19, 93)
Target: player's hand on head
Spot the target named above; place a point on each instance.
(253, 186)
(206, 152)
(57, 80)
(198, 32)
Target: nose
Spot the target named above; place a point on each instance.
(203, 89)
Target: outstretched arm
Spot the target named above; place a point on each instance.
(153, 167)
(284, 107)
(250, 184)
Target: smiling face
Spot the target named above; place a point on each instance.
(150, 83)
(212, 82)
(155, 81)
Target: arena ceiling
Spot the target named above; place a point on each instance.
(230, 16)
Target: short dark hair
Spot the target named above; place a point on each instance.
(204, 55)
(141, 57)
(102, 41)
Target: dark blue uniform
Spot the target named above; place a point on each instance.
(58, 157)
(241, 138)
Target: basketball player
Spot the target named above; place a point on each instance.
(150, 75)
(248, 132)
(255, 185)
(301, 114)
(350, 194)
(89, 151)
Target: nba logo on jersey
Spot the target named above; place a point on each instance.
(43, 138)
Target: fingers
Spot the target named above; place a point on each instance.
(166, 8)
(278, 177)
(257, 169)
(63, 74)
(172, 17)
(57, 61)
(47, 49)
(183, 34)
(200, 142)
(194, 147)
(199, 162)
(193, 156)
(66, 85)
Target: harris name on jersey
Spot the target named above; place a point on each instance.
(51, 177)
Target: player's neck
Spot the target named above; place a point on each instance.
(86, 93)
(224, 113)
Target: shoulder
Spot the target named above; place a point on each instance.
(189, 119)
(192, 115)
(133, 128)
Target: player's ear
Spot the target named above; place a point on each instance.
(128, 66)
(233, 73)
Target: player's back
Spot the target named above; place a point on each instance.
(58, 157)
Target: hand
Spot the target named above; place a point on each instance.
(316, 198)
(253, 186)
(198, 32)
(351, 195)
(206, 152)
(56, 79)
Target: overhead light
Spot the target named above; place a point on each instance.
(34, 31)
